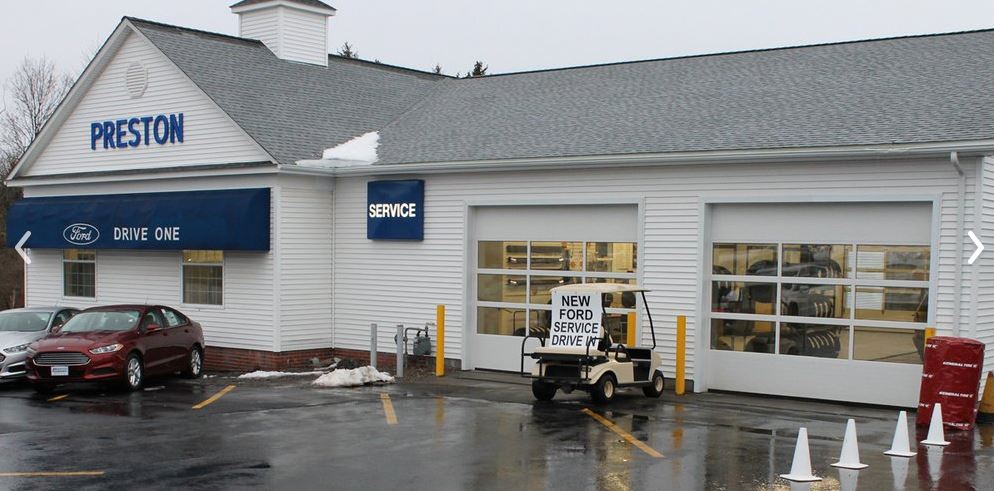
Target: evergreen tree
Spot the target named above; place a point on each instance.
(348, 51)
(437, 69)
(479, 70)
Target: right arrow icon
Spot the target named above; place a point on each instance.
(980, 247)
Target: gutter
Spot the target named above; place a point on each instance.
(917, 150)
(960, 218)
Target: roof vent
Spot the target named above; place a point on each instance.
(136, 80)
(292, 29)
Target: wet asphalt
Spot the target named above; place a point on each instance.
(469, 431)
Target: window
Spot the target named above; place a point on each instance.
(79, 273)
(203, 277)
(844, 301)
(514, 279)
(173, 318)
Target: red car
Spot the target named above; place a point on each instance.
(119, 343)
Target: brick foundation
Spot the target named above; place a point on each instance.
(218, 359)
(241, 360)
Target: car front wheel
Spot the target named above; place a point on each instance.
(134, 373)
(195, 363)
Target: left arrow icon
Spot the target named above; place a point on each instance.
(20, 244)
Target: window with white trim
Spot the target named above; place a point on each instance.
(845, 301)
(79, 273)
(203, 277)
(514, 279)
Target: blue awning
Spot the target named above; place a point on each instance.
(234, 220)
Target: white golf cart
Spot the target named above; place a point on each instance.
(578, 352)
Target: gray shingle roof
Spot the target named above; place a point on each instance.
(902, 90)
(294, 110)
(310, 3)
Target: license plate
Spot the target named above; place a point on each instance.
(60, 371)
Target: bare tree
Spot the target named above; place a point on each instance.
(32, 94)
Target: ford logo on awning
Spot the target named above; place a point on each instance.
(81, 234)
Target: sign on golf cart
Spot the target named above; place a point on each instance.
(576, 319)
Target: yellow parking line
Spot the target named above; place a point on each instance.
(52, 474)
(388, 409)
(624, 434)
(58, 398)
(214, 397)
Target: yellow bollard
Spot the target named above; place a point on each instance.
(440, 352)
(929, 332)
(681, 353)
(630, 335)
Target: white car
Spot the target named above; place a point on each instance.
(21, 327)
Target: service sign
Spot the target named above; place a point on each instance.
(576, 320)
(395, 210)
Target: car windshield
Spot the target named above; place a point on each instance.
(24, 321)
(118, 320)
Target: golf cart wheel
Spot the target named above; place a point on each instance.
(543, 391)
(605, 388)
(655, 387)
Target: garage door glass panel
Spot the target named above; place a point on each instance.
(805, 300)
(742, 297)
(816, 260)
(501, 288)
(541, 286)
(883, 262)
(745, 259)
(814, 340)
(493, 254)
(500, 321)
(742, 335)
(888, 345)
(897, 304)
(557, 256)
(612, 257)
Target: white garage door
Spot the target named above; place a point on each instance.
(827, 301)
(520, 252)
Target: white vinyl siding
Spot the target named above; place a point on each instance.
(305, 36)
(245, 320)
(291, 34)
(400, 282)
(305, 263)
(210, 137)
(984, 266)
(263, 25)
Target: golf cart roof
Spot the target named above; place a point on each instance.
(598, 288)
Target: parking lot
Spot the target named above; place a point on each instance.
(471, 431)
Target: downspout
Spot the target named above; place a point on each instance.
(960, 217)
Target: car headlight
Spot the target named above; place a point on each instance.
(110, 348)
(17, 349)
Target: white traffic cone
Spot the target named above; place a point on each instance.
(936, 434)
(800, 469)
(849, 459)
(901, 446)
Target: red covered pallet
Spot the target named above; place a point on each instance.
(951, 377)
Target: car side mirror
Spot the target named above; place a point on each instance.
(152, 327)
(56, 328)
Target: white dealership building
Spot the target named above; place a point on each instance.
(805, 208)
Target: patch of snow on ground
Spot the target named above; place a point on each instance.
(353, 378)
(361, 148)
(265, 374)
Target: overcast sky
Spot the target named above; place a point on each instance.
(509, 35)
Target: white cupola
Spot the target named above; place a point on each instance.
(293, 29)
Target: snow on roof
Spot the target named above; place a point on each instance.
(598, 288)
(361, 148)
